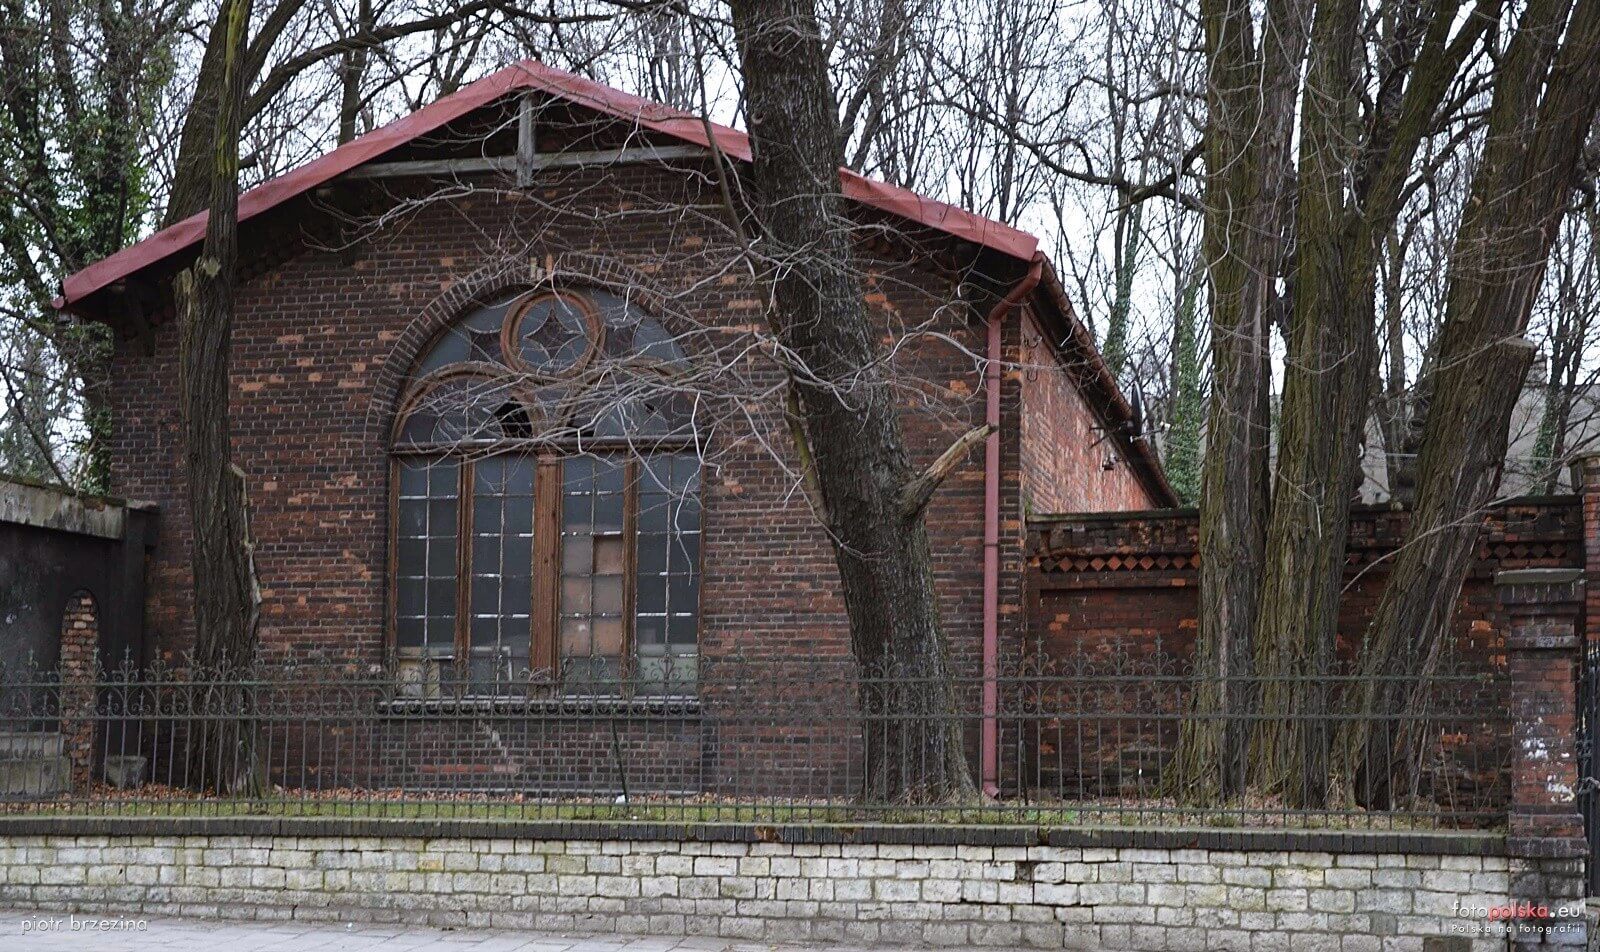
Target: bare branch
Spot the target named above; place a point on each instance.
(915, 494)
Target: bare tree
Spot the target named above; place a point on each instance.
(1571, 312)
(1354, 165)
(227, 600)
(873, 499)
(1251, 90)
(1546, 96)
(1301, 249)
(273, 64)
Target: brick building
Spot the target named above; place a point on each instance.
(502, 393)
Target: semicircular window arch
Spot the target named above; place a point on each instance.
(546, 507)
(583, 366)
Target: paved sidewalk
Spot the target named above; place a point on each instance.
(56, 932)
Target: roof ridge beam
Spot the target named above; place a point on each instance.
(516, 163)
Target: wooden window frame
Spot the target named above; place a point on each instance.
(544, 610)
(544, 626)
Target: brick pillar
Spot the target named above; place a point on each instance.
(1545, 835)
(1586, 482)
(78, 667)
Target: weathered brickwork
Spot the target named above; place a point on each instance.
(79, 667)
(328, 326)
(1545, 828)
(1124, 587)
(1101, 899)
(1586, 475)
(1070, 462)
(1132, 578)
(1541, 651)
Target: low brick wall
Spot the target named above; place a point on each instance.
(1132, 578)
(1076, 889)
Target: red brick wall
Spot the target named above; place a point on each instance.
(1130, 579)
(1544, 647)
(1117, 593)
(324, 338)
(79, 667)
(1587, 473)
(1065, 447)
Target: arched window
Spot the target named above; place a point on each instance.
(547, 513)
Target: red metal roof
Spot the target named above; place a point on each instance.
(530, 75)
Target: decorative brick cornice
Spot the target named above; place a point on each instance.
(1536, 532)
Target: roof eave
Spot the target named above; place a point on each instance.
(527, 75)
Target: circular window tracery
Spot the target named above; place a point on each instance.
(552, 364)
(552, 335)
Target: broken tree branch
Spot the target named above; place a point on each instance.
(914, 497)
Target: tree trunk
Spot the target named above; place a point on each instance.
(225, 595)
(1545, 102)
(352, 70)
(1182, 460)
(914, 737)
(1459, 471)
(194, 167)
(1348, 201)
(1250, 109)
(1324, 410)
(1115, 345)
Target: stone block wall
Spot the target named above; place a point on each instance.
(1345, 893)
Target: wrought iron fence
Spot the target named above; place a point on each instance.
(1077, 741)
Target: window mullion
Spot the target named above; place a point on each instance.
(465, 492)
(630, 561)
(546, 565)
(391, 596)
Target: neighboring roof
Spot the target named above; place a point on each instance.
(533, 75)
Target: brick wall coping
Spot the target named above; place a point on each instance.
(1438, 843)
(40, 505)
(665, 706)
(1130, 515)
(1191, 512)
(1538, 576)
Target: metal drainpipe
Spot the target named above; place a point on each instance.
(989, 741)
